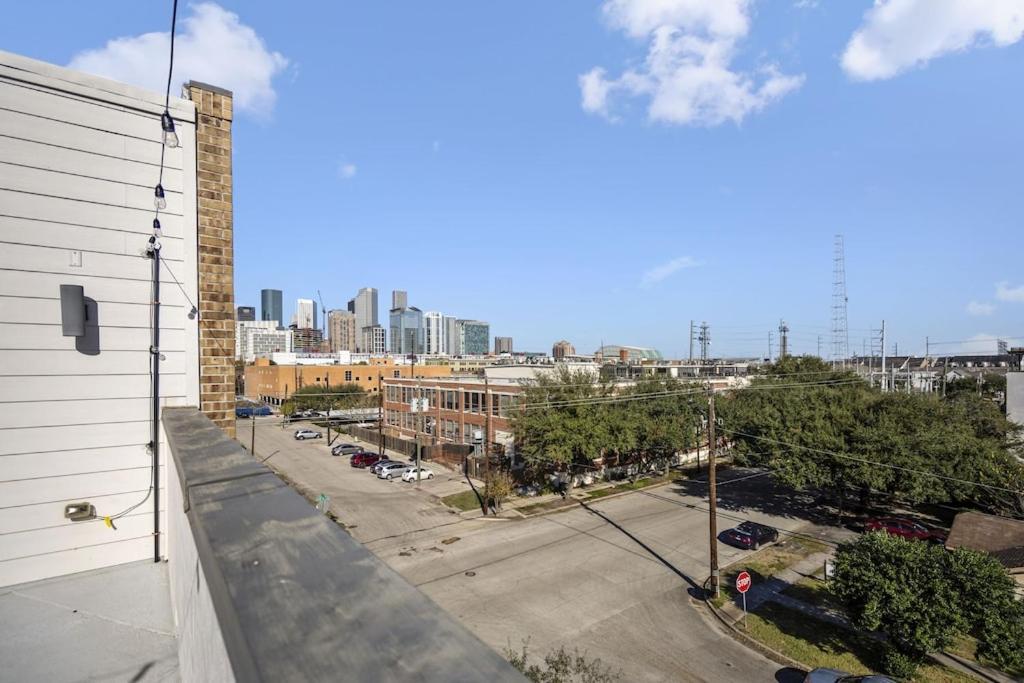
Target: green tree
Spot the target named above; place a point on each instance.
(562, 666)
(338, 397)
(924, 597)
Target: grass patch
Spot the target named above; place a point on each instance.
(632, 486)
(465, 500)
(814, 592)
(768, 562)
(816, 643)
(547, 505)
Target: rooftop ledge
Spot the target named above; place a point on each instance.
(264, 587)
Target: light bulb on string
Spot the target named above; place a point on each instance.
(167, 123)
(156, 228)
(159, 200)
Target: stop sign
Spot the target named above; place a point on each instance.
(743, 582)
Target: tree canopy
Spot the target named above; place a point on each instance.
(338, 397)
(818, 428)
(567, 419)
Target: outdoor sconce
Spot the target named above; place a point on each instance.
(72, 310)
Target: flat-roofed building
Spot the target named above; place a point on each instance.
(276, 383)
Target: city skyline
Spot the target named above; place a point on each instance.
(547, 171)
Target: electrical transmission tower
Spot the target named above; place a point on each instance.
(840, 330)
(705, 341)
(783, 339)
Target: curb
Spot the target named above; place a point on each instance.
(750, 642)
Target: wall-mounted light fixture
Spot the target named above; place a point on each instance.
(72, 310)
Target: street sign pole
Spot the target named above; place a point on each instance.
(743, 582)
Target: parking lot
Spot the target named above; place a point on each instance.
(615, 577)
(370, 508)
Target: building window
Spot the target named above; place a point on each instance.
(397, 373)
(348, 375)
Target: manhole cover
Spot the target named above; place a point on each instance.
(470, 573)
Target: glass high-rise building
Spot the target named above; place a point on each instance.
(245, 313)
(271, 307)
(474, 337)
(364, 306)
(406, 331)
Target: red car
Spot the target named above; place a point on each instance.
(364, 459)
(904, 528)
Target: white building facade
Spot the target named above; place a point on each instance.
(435, 331)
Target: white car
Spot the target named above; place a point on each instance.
(302, 434)
(412, 474)
(392, 470)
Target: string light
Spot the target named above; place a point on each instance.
(167, 123)
(159, 200)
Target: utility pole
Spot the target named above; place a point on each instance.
(252, 444)
(769, 346)
(691, 341)
(884, 380)
(712, 493)
(380, 412)
(945, 367)
(487, 442)
(419, 424)
(819, 346)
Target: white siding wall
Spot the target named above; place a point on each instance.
(78, 161)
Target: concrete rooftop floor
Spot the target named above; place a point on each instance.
(112, 624)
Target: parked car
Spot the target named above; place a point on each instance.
(412, 474)
(392, 470)
(249, 411)
(904, 528)
(823, 675)
(749, 535)
(345, 449)
(364, 459)
(303, 434)
(380, 464)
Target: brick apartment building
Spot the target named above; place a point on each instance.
(274, 384)
(455, 408)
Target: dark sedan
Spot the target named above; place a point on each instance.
(749, 535)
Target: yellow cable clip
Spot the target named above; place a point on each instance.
(109, 522)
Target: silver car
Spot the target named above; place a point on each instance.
(392, 470)
(823, 675)
(303, 434)
(381, 464)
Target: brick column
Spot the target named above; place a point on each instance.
(215, 228)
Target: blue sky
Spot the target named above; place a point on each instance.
(610, 171)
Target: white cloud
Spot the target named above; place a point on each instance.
(1004, 292)
(212, 46)
(347, 171)
(658, 273)
(687, 75)
(898, 35)
(437, 146)
(979, 308)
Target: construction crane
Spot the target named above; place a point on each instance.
(323, 310)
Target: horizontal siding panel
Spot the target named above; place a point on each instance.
(39, 362)
(54, 388)
(79, 487)
(47, 312)
(50, 514)
(45, 414)
(63, 210)
(104, 288)
(72, 438)
(61, 134)
(52, 539)
(82, 112)
(118, 550)
(64, 463)
(49, 337)
(35, 285)
(106, 165)
(86, 239)
(83, 189)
